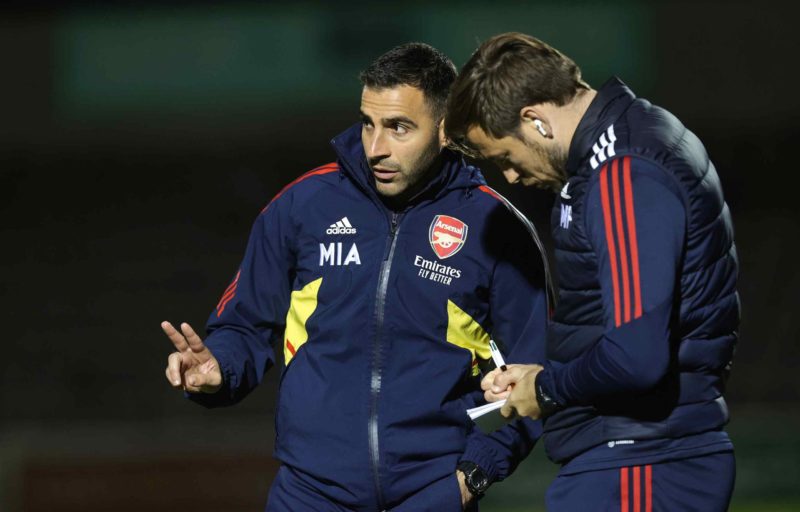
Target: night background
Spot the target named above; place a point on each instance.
(139, 140)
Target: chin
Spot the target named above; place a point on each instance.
(389, 190)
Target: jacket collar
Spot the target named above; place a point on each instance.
(611, 101)
(454, 173)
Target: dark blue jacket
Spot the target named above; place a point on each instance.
(384, 319)
(646, 322)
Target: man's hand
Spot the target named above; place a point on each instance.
(516, 384)
(466, 496)
(487, 383)
(193, 367)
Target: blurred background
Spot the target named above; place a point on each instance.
(139, 140)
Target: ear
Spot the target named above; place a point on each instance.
(534, 119)
(443, 142)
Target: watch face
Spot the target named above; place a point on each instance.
(478, 480)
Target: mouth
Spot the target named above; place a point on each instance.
(382, 174)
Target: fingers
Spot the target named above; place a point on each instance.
(174, 369)
(195, 343)
(503, 380)
(488, 379)
(204, 382)
(496, 397)
(174, 336)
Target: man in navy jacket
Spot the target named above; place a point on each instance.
(641, 340)
(382, 276)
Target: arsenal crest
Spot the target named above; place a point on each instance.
(447, 235)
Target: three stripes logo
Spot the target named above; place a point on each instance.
(229, 294)
(603, 148)
(342, 227)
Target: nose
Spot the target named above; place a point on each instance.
(511, 175)
(376, 145)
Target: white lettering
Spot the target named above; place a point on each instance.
(331, 254)
(435, 271)
(326, 254)
(448, 227)
(352, 256)
(566, 215)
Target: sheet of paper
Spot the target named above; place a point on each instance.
(477, 412)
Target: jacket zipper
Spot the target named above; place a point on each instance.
(375, 380)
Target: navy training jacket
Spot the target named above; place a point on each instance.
(384, 319)
(644, 331)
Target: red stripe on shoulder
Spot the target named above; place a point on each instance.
(323, 169)
(488, 190)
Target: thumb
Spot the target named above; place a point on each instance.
(204, 382)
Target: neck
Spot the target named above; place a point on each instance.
(574, 112)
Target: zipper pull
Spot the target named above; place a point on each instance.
(395, 220)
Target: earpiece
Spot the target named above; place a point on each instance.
(538, 124)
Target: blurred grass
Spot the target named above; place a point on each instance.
(767, 458)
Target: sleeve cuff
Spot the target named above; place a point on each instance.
(547, 381)
(225, 395)
(480, 451)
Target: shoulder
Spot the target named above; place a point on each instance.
(306, 185)
(503, 220)
(627, 172)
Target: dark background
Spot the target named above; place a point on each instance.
(139, 140)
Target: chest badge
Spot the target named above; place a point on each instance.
(447, 235)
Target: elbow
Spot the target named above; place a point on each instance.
(646, 373)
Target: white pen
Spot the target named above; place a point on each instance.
(497, 357)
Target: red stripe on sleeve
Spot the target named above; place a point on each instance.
(637, 495)
(612, 253)
(484, 188)
(224, 303)
(648, 488)
(623, 253)
(623, 489)
(228, 295)
(290, 347)
(324, 169)
(637, 291)
(230, 292)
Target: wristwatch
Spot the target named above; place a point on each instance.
(474, 477)
(547, 405)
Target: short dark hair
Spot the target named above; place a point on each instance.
(506, 73)
(415, 64)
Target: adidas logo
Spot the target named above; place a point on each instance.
(342, 227)
(606, 148)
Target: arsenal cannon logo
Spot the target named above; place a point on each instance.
(447, 235)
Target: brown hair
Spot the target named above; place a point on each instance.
(506, 73)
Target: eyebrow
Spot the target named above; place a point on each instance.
(388, 121)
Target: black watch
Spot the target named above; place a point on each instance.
(547, 405)
(474, 477)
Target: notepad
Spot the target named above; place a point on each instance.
(477, 412)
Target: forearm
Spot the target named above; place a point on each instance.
(628, 360)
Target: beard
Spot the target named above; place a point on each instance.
(552, 164)
(413, 175)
